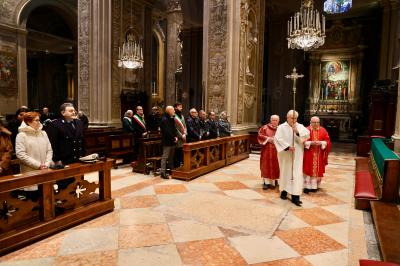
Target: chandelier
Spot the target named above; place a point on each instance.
(130, 56)
(304, 28)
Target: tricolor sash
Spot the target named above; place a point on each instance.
(180, 123)
(140, 121)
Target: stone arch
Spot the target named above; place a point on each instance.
(20, 17)
(160, 37)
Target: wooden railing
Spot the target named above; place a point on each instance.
(205, 156)
(26, 216)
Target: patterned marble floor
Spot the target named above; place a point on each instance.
(223, 218)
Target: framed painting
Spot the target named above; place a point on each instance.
(8, 74)
(335, 80)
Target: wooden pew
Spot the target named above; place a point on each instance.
(140, 165)
(377, 178)
(120, 147)
(386, 218)
(96, 140)
(24, 219)
(205, 156)
(377, 187)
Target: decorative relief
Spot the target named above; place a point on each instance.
(217, 52)
(173, 5)
(115, 70)
(249, 61)
(6, 10)
(83, 54)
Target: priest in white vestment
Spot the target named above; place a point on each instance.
(290, 156)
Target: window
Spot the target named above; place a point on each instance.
(337, 6)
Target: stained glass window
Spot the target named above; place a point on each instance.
(337, 6)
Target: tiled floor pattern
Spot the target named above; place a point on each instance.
(222, 218)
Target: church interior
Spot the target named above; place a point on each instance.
(338, 60)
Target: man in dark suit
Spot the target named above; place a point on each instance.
(66, 138)
(193, 126)
(139, 129)
(212, 125)
(169, 140)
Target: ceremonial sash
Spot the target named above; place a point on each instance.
(140, 121)
(180, 123)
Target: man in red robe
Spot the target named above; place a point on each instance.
(269, 160)
(316, 150)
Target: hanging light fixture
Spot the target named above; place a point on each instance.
(306, 29)
(130, 56)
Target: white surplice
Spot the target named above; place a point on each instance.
(290, 179)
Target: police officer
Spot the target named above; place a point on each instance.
(66, 138)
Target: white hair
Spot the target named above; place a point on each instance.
(129, 112)
(274, 116)
(290, 114)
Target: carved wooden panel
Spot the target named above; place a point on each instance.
(197, 158)
(78, 193)
(17, 210)
(230, 149)
(215, 153)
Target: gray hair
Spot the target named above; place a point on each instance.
(290, 114)
(65, 105)
(128, 113)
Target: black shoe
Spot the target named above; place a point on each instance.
(296, 200)
(306, 190)
(314, 190)
(164, 176)
(284, 195)
(266, 186)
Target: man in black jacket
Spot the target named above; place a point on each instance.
(66, 138)
(169, 140)
(204, 130)
(212, 125)
(193, 126)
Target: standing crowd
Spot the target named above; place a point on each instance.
(293, 155)
(175, 130)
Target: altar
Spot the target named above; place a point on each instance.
(335, 82)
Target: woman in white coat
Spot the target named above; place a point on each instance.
(33, 148)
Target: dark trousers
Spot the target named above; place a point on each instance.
(178, 159)
(168, 155)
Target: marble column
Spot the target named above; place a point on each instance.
(174, 23)
(95, 60)
(388, 38)
(233, 43)
(22, 68)
(396, 135)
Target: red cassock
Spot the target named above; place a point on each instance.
(316, 158)
(269, 160)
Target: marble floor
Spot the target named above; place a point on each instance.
(222, 218)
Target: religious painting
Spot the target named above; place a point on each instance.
(335, 79)
(337, 6)
(8, 74)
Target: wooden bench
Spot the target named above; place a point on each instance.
(152, 156)
(386, 218)
(25, 219)
(205, 156)
(96, 140)
(141, 164)
(120, 147)
(376, 263)
(377, 178)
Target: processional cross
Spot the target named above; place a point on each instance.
(294, 76)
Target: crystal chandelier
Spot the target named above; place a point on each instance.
(130, 56)
(304, 28)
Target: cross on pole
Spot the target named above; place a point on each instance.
(294, 76)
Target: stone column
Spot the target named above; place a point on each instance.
(389, 21)
(22, 69)
(174, 22)
(95, 60)
(396, 136)
(232, 60)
